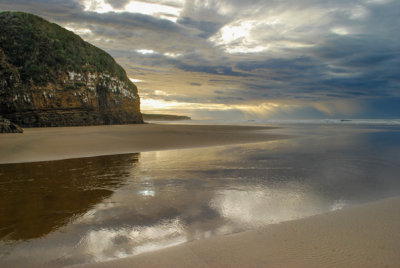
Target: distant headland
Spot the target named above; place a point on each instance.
(164, 117)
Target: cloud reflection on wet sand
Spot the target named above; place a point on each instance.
(170, 197)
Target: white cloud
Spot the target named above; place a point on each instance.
(145, 51)
(135, 80)
(172, 55)
(237, 37)
(340, 30)
(162, 10)
(273, 29)
(378, 1)
(99, 6)
(78, 29)
(358, 12)
(153, 9)
(149, 104)
(257, 208)
(103, 246)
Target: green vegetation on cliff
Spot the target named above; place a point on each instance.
(40, 49)
(49, 76)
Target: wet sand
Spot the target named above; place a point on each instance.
(43, 144)
(361, 236)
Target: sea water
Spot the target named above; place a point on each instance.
(74, 211)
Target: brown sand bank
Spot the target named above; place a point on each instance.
(41, 144)
(363, 236)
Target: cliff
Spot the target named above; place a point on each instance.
(51, 77)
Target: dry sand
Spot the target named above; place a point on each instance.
(41, 144)
(363, 236)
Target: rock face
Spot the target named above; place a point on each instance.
(6, 126)
(51, 77)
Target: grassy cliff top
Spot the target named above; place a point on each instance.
(41, 50)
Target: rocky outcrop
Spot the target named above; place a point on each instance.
(51, 77)
(6, 126)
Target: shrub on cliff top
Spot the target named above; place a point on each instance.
(41, 50)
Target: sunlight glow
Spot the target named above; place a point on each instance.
(135, 80)
(237, 38)
(101, 243)
(245, 49)
(172, 55)
(145, 51)
(168, 10)
(160, 105)
(151, 8)
(152, 104)
(291, 44)
(160, 93)
(275, 32)
(98, 6)
(268, 206)
(83, 31)
(149, 104)
(78, 30)
(231, 33)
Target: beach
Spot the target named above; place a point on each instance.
(361, 236)
(182, 133)
(43, 144)
(163, 195)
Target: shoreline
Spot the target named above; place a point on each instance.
(47, 144)
(358, 236)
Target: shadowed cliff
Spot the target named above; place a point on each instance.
(51, 77)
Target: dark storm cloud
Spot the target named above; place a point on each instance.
(353, 66)
(207, 28)
(360, 51)
(386, 108)
(229, 99)
(278, 63)
(117, 22)
(42, 7)
(72, 12)
(210, 69)
(117, 3)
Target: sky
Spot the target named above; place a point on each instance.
(244, 60)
